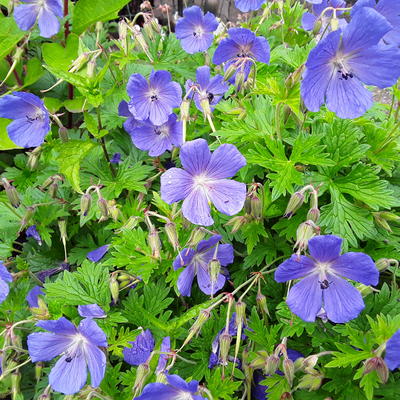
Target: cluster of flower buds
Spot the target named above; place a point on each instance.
(120, 280)
(106, 208)
(11, 193)
(51, 184)
(382, 218)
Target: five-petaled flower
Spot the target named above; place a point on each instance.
(392, 355)
(5, 279)
(339, 66)
(156, 139)
(203, 180)
(79, 348)
(31, 119)
(197, 262)
(195, 30)
(206, 88)
(241, 50)
(153, 99)
(44, 11)
(175, 389)
(248, 5)
(322, 283)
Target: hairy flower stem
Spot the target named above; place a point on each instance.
(5, 373)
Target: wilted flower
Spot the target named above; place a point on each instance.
(79, 350)
(157, 139)
(339, 66)
(91, 311)
(5, 278)
(195, 30)
(322, 284)
(141, 349)
(33, 296)
(153, 99)
(392, 355)
(207, 89)
(176, 389)
(165, 348)
(248, 5)
(42, 275)
(33, 233)
(43, 11)
(241, 50)
(31, 119)
(116, 158)
(390, 10)
(310, 18)
(203, 180)
(197, 263)
(97, 254)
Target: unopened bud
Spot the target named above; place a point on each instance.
(239, 79)
(142, 372)
(185, 110)
(195, 237)
(334, 24)
(271, 364)
(79, 62)
(310, 362)
(114, 289)
(313, 214)
(295, 202)
(30, 211)
(286, 396)
(113, 209)
(260, 361)
(195, 329)
(388, 216)
(382, 222)
(256, 206)
(214, 268)
(103, 207)
(33, 158)
(365, 290)
(377, 364)
(11, 193)
(170, 230)
(236, 223)
(63, 134)
(86, 202)
(262, 303)
(91, 67)
(288, 370)
(225, 340)
(40, 312)
(148, 30)
(15, 385)
(240, 309)
(154, 243)
(317, 27)
(53, 190)
(384, 263)
(156, 26)
(295, 77)
(230, 72)
(311, 381)
(38, 370)
(305, 232)
(205, 106)
(129, 225)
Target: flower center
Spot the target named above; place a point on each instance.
(244, 52)
(342, 68)
(198, 31)
(184, 396)
(161, 131)
(76, 347)
(153, 94)
(201, 181)
(37, 115)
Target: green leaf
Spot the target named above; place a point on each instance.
(34, 71)
(221, 388)
(348, 356)
(59, 57)
(69, 158)
(88, 285)
(5, 142)
(87, 12)
(10, 35)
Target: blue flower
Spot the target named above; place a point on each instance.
(43, 11)
(162, 360)
(97, 254)
(33, 295)
(79, 348)
(339, 66)
(392, 355)
(153, 99)
(91, 311)
(31, 119)
(197, 263)
(322, 283)
(248, 5)
(140, 349)
(5, 279)
(33, 233)
(195, 30)
(206, 88)
(175, 389)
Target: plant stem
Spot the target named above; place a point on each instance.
(103, 145)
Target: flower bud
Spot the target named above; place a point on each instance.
(317, 26)
(260, 361)
(148, 30)
(170, 230)
(240, 309)
(42, 311)
(230, 71)
(195, 237)
(334, 24)
(114, 289)
(388, 216)
(113, 209)
(142, 373)
(288, 370)
(262, 303)
(38, 370)
(103, 207)
(154, 242)
(214, 268)
(185, 110)
(91, 67)
(311, 381)
(240, 79)
(129, 225)
(30, 211)
(295, 202)
(271, 364)
(309, 362)
(53, 190)
(313, 214)
(195, 329)
(33, 158)
(86, 202)
(364, 289)
(205, 106)
(256, 206)
(11, 193)
(382, 222)
(304, 233)
(286, 396)
(225, 340)
(377, 364)
(63, 134)
(236, 223)
(15, 385)
(384, 263)
(156, 26)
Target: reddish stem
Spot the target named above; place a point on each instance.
(17, 77)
